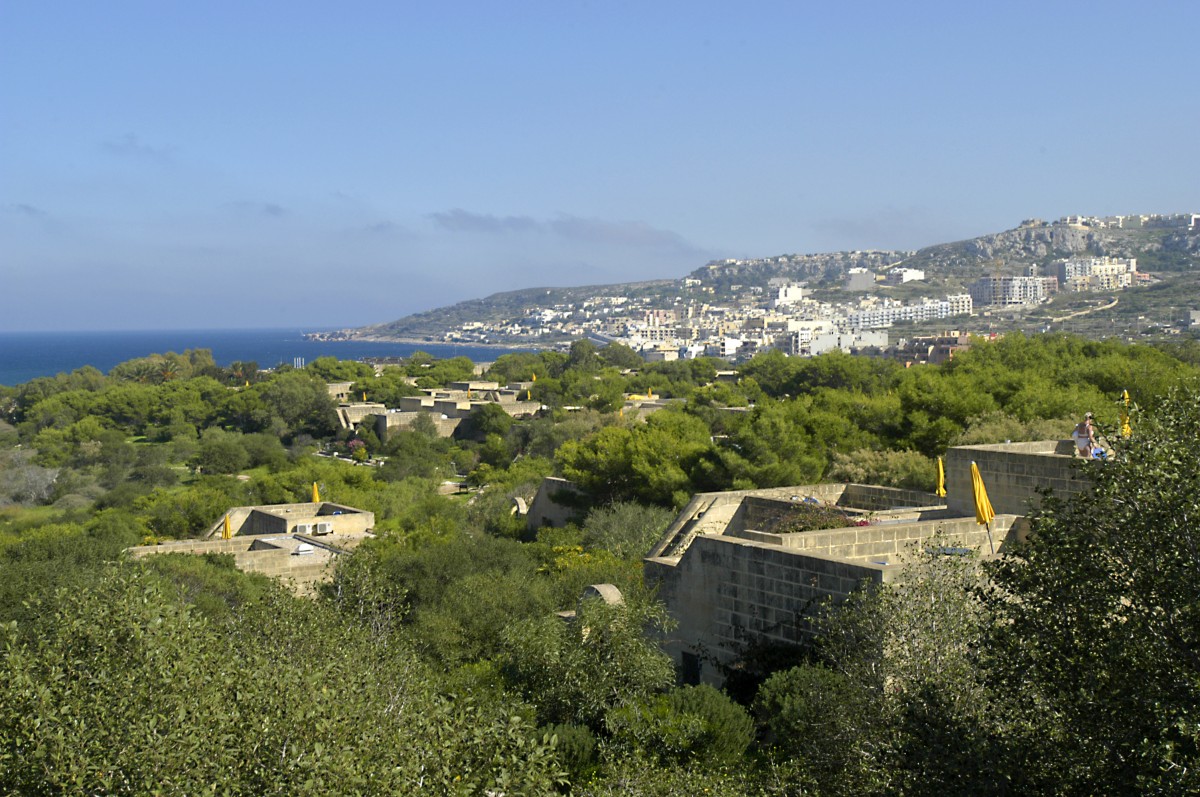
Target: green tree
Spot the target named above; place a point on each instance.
(820, 725)
(331, 369)
(694, 725)
(220, 452)
(484, 420)
(1097, 643)
(895, 701)
(300, 401)
(584, 356)
(651, 462)
(576, 672)
(387, 388)
(125, 689)
(626, 529)
(621, 356)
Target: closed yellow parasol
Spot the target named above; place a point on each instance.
(983, 507)
(1126, 429)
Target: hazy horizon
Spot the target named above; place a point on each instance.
(298, 166)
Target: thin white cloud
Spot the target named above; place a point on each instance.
(252, 208)
(131, 146)
(383, 228)
(623, 233)
(459, 220)
(23, 209)
(635, 234)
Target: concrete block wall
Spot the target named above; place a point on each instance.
(707, 513)
(233, 546)
(351, 415)
(513, 405)
(891, 542)
(237, 518)
(725, 592)
(874, 498)
(1012, 474)
(402, 420)
(282, 519)
(260, 522)
(345, 519)
(756, 511)
(473, 385)
(452, 408)
(415, 403)
(546, 510)
(281, 563)
(258, 555)
(734, 511)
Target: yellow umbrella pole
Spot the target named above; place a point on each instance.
(226, 533)
(316, 494)
(983, 506)
(1126, 429)
(941, 482)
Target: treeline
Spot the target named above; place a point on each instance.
(437, 660)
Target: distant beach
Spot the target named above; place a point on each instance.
(28, 355)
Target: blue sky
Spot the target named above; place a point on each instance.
(316, 165)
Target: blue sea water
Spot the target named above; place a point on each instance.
(27, 355)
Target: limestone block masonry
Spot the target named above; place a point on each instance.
(729, 578)
(1013, 473)
(296, 543)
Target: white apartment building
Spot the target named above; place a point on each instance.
(788, 294)
(1011, 290)
(899, 276)
(1097, 273)
(885, 314)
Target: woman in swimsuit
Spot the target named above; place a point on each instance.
(1084, 436)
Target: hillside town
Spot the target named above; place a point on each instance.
(735, 324)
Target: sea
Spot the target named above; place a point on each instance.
(28, 355)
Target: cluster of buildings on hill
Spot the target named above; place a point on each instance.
(1186, 221)
(782, 315)
(1075, 275)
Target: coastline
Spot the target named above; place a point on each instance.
(413, 341)
(29, 355)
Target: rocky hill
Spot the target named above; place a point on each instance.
(1162, 244)
(497, 307)
(823, 266)
(1039, 243)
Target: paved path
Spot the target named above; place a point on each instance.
(1085, 311)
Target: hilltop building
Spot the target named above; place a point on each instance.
(860, 279)
(900, 275)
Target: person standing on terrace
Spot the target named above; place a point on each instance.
(1084, 436)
